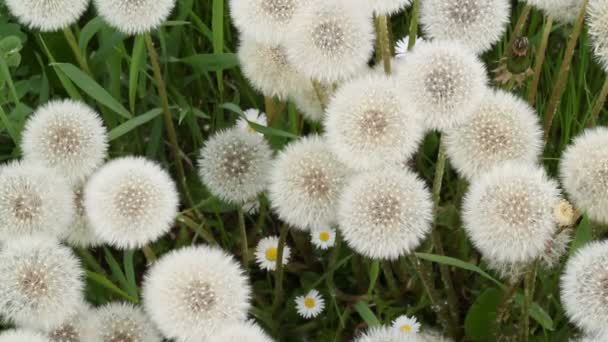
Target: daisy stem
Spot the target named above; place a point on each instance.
(413, 25)
(519, 27)
(170, 128)
(599, 104)
(539, 61)
(243, 231)
(562, 78)
(278, 288)
(384, 41)
(529, 285)
(149, 254)
(80, 58)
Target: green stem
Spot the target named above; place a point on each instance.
(414, 25)
(73, 43)
(149, 254)
(519, 28)
(599, 103)
(503, 307)
(529, 285)
(278, 288)
(560, 85)
(390, 278)
(384, 42)
(243, 231)
(539, 61)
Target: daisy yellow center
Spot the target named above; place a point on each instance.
(324, 236)
(309, 303)
(271, 254)
(406, 328)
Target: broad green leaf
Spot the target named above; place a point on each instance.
(374, 271)
(458, 263)
(105, 282)
(133, 123)
(89, 31)
(536, 312)
(366, 313)
(269, 131)
(118, 273)
(582, 236)
(65, 81)
(211, 61)
(137, 58)
(127, 260)
(480, 321)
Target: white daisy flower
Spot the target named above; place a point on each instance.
(66, 135)
(134, 17)
(477, 24)
(311, 305)
(47, 15)
(239, 332)
(22, 336)
(565, 11)
(234, 165)
(598, 30)
(388, 7)
(123, 322)
(266, 253)
(407, 325)
(190, 292)
(254, 116)
(130, 202)
(323, 238)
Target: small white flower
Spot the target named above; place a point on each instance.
(323, 238)
(22, 336)
(406, 324)
(266, 253)
(239, 332)
(123, 322)
(311, 305)
(134, 17)
(254, 116)
(47, 15)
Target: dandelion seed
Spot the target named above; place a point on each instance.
(598, 30)
(234, 165)
(267, 251)
(369, 125)
(323, 238)
(305, 183)
(331, 40)
(47, 15)
(503, 128)
(477, 24)
(444, 82)
(584, 173)
(66, 135)
(565, 11)
(406, 324)
(134, 17)
(124, 323)
(192, 291)
(388, 7)
(311, 305)
(238, 332)
(22, 336)
(584, 288)
(254, 116)
(33, 200)
(385, 214)
(130, 202)
(508, 212)
(41, 282)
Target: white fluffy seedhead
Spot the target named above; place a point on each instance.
(80, 233)
(266, 21)
(384, 334)
(22, 336)
(388, 7)
(234, 165)
(331, 40)
(76, 328)
(308, 102)
(133, 17)
(565, 11)
(477, 24)
(503, 128)
(191, 292)
(68, 136)
(584, 173)
(444, 81)
(385, 214)
(239, 332)
(33, 200)
(597, 24)
(41, 282)
(267, 68)
(124, 323)
(306, 182)
(369, 125)
(47, 15)
(584, 288)
(130, 202)
(508, 212)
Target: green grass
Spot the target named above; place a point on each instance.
(206, 90)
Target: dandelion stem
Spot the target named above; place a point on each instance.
(390, 278)
(384, 42)
(503, 308)
(560, 85)
(270, 108)
(539, 61)
(519, 27)
(278, 288)
(529, 285)
(243, 231)
(149, 254)
(413, 25)
(170, 128)
(599, 103)
(80, 58)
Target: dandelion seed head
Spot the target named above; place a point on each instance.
(385, 214)
(80, 232)
(47, 15)
(556, 248)
(388, 7)
(508, 212)
(134, 17)
(22, 335)
(380, 333)
(78, 327)
(266, 253)
(192, 291)
(565, 11)
(122, 322)
(241, 331)
(305, 183)
(130, 202)
(597, 24)
(503, 128)
(310, 305)
(308, 103)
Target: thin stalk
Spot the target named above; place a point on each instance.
(243, 231)
(390, 278)
(519, 27)
(599, 103)
(539, 61)
(504, 306)
(170, 128)
(414, 25)
(321, 93)
(270, 108)
(529, 285)
(384, 42)
(560, 85)
(73, 43)
(278, 288)
(149, 254)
